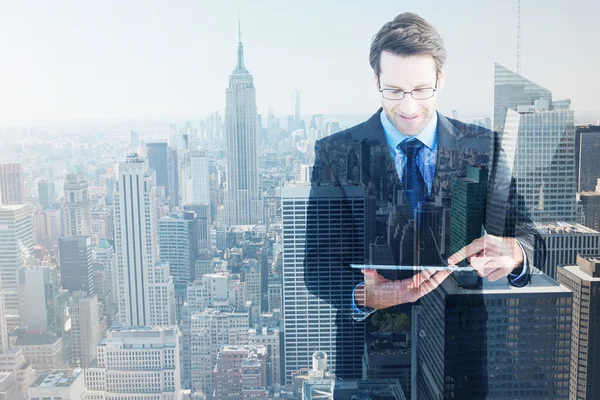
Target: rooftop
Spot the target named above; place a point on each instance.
(563, 227)
(57, 378)
(576, 270)
(36, 340)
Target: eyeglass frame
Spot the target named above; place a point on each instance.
(405, 92)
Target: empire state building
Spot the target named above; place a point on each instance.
(242, 202)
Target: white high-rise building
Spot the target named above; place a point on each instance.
(76, 209)
(144, 288)
(39, 303)
(538, 141)
(136, 363)
(16, 247)
(242, 204)
(200, 178)
(315, 283)
(210, 330)
(85, 328)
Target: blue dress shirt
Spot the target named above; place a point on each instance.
(426, 160)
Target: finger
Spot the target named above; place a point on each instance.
(422, 276)
(372, 276)
(472, 248)
(479, 264)
(426, 286)
(497, 274)
(414, 281)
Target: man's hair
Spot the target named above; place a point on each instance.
(406, 35)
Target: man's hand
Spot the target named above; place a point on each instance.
(493, 257)
(379, 292)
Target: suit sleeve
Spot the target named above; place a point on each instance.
(325, 269)
(507, 215)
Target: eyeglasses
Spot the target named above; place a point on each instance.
(417, 94)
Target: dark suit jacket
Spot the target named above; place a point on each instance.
(360, 156)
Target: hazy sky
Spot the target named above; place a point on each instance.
(68, 61)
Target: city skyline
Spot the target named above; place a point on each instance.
(211, 257)
(94, 75)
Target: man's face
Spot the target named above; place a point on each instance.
(408, 115)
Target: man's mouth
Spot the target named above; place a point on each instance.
(409, 118)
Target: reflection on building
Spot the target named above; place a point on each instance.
(583, 278)
(517, 339)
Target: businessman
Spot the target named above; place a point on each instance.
(408, 157)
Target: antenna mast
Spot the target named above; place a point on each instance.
(519, 37)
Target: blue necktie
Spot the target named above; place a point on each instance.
(412, 179)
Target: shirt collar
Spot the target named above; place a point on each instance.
(428, 136)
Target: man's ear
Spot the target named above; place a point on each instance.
(376, 80)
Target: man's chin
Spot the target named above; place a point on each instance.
(408, 130)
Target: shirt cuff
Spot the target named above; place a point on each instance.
(523, 278)
(360, 314)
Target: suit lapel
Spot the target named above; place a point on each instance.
(447, 139)
(372, 135)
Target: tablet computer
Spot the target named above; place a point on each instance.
(414, 268)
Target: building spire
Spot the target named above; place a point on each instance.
(240, 56)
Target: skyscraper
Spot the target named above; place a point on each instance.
(583, 278)
(178, 244)
(140, 279)
(312, 324)
(522, 335)
(105, 279)
(562, 243)
(110, 188)
(133, 139)
(242, 204)
(76, 208)
(76, 264)
(12, 186)
(158, 160)
(538, 139)
(587, 148)
(296, 108)
(590, 201)
(468, 207)
(203, 221)
(173, 177)
(40, 300)
(46, 193)
(200, 178)
(85, 328)
(16, 248)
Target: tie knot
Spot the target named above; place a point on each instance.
(411, 147)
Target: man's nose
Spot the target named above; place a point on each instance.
(408, 106)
